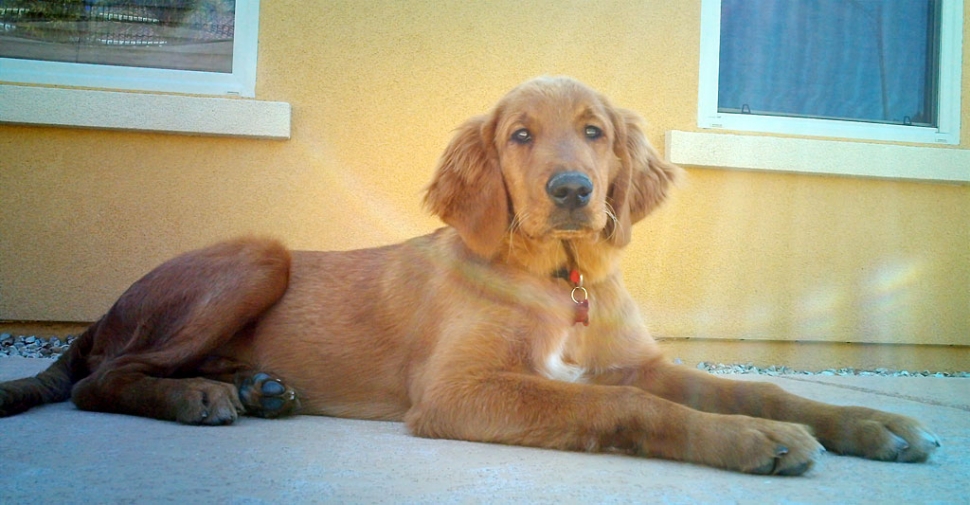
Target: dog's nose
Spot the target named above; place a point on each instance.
(569, 189)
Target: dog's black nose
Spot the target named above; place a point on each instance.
(569, 189)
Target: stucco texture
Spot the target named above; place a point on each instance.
(377, 89)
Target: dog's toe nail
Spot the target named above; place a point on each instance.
(930, 438)
(900, 443)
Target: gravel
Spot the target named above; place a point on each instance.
(722, 369)
(32, 346)
(51, 348)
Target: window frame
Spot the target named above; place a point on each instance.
(948, 131)
(241, 82)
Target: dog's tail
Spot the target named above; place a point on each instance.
(51, 385)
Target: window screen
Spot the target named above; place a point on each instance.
(174, 46)
(170, 34)
(865, 60)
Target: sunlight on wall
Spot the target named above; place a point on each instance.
(364, 205)
(888, 296)
(817, 312)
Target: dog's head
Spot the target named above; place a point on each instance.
(554, 161)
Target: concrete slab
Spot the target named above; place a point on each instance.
(58, 454)
(925, 390)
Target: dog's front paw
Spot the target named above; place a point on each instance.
(753, 445)
(776, 448)
(880, 435)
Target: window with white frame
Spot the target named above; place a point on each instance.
(871, 69)
(181, 46)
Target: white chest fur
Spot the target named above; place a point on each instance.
(556, 368)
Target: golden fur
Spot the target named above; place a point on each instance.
(468, 332)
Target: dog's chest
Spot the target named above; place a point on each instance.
(557, 365)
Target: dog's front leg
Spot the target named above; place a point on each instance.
(522, 409)
(855, 431)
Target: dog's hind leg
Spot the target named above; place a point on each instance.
(262, 394)
(152, 347)
(127, 390)
(51, 385)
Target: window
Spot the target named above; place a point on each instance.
(870, 69)
(182, 46)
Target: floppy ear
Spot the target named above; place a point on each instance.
(643, 179)
(468, 192)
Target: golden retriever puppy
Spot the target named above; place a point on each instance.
(509, 325)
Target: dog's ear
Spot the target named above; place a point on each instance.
(643, 179)
(468, 192)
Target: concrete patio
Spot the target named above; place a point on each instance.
(58, 454)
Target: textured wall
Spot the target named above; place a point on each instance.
(377, 88)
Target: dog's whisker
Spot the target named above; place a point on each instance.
(611, 214)
(513, 228)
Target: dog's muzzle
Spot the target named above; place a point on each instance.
(569, 190)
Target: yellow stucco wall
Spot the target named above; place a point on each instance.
(377, 88)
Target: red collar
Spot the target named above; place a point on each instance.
(579, 294)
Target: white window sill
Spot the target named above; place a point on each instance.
(189, 115)
(778, 154)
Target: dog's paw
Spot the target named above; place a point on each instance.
(753, 445)
(264, 395)
(880, 435)
(202, 401)
(777, 448)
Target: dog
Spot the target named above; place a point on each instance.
(510, 325)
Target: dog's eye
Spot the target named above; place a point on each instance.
(593, 132)
(522, 136)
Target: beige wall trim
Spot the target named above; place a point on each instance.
(781, 154)
(190, 115)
